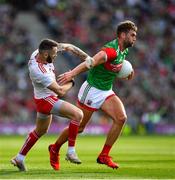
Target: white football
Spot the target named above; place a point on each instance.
(126, 70)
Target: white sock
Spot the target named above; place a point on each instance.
(20, 157)
(71, 149)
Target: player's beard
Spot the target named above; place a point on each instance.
(127, 44)
(49, 59)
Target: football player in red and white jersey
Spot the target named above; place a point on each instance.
(47, 93)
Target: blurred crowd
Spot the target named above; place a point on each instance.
(15, 90)
(149, 98)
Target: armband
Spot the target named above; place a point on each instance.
(89, 62)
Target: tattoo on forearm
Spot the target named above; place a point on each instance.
(75, 50)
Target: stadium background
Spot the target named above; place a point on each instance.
(149, 98)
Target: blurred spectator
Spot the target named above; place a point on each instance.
(15, 88)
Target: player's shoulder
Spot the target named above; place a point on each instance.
(109, 50)
(112, 44)
(110, 47)
(32, 60)
(34, 54)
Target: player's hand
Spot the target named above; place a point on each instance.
(131, 76)
(65, 77)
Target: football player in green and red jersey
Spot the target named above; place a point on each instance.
(96, 92)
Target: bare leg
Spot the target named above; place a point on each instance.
(62, 138)
(114, 133)
(72, 112)
(42, 126)
(64, 135)
(115, 109)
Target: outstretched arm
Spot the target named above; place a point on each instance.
(73, 49)
(99, 58)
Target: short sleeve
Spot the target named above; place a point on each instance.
(111, 53)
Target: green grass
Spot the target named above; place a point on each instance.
(140, 157)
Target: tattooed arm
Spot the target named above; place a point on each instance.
(75, 50)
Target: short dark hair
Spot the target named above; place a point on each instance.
(47, 44)
(125, 27)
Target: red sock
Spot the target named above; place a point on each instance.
(73, 131)
(30, 141)
(106, 149)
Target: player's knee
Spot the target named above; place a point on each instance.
(78, 115)
(121, 119)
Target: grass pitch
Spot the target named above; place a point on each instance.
(139, 157)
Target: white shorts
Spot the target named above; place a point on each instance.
(92, 98)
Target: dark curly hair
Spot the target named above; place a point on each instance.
(125, 27)
(47, 44)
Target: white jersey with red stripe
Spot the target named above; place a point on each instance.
(42, 75)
